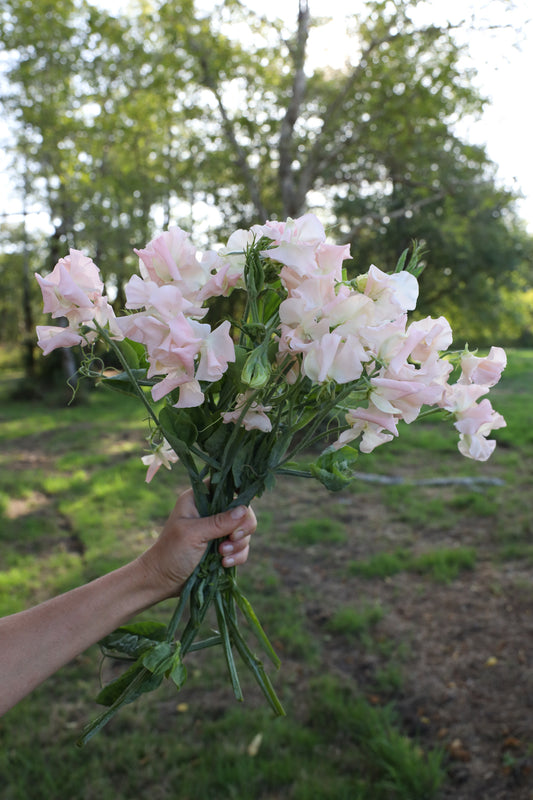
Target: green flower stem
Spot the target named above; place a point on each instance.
(129, 693)
(296, 473)
(257, 669)
(226, 644)
(127, 369)
(318, 420)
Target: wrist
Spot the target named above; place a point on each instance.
(154, 585)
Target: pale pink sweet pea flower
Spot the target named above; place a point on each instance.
(405, 390)
(166, 301)
(372, 424)
(473, 420)
(306, 229)
(476, 447)
(72, 288)
(216, 350)
(458, 398)
(168, 344)
(74, 281)
(191, 395)
(350, 312)
(162, 456)
(423, 340)
(255, 417)
(383, 340)
(296, 242)
(334, 358)
(329, 258)
(403, 398)
(226, 268)
(224, 276)
(483, 371)
(393, 294)
(302, 314)
(478, 417)
(171, 258)
(50, 337)
(474, 426)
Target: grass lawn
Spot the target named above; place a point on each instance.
(401, 613)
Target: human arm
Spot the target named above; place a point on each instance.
(35, 643)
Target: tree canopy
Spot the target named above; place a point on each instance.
(216, 120)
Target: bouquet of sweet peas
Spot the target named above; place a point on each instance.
(310, 358)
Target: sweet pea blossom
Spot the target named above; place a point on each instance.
(332, 358)
(300, 245)
(371, 423)
(163, 301)
(216, 350)
(50, 337)
(74, 290)
(255, 417)
(483, 371)
(393, 294)
(423, 340)
(162, 456)
(226, 267)
(71, 288)
(172, 258)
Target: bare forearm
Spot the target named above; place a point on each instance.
(37, 642)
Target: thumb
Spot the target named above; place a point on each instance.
(219, 525)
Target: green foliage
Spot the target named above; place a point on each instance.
(398, 768)
(356, 621)
(317, 531)
(111, 133)
(442, 564)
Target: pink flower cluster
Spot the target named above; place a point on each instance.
(74, 290)
(173, 285)
(347, 331)
(336, 331)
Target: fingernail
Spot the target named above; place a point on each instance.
(229, 561)
(236, 535)
(238, 513)
(226, 547)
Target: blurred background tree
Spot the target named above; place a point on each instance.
(124, 123)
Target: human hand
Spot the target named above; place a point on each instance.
(184, 538)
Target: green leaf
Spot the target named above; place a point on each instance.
(164, 659)
(401, 261)
(149, 628)
(279, 449)
(135, 681)
(120, 382)
(334, 468)
(177, 673)
(179, 423)
(134, 639)
(111, 693)
(159, 658)
(130, 355)
(174, 426)
(237, 465)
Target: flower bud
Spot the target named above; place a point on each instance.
(256, 370)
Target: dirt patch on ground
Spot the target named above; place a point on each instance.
(467, 646)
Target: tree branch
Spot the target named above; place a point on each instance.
(249, 178)
(291, 200)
